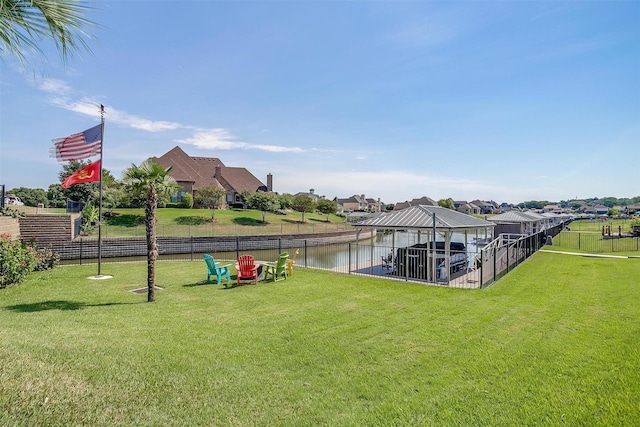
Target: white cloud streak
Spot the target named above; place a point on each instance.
(61, 95)
(221, 139)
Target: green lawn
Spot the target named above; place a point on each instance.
(555, 342)
(198, 222)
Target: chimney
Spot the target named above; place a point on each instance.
(269, 182)
(218, 172)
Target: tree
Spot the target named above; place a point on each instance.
(285, 200)
(210, 196)
(327, 207)
(265, 202)
(56, 197)
(446, 203)
(31, 196)
(303, 204)
(23, 25)
(244, 197)
(151, 181)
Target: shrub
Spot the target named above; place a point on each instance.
(90, 216)
(187, 201)
(16, 261)
(7, 211)
(47, 258)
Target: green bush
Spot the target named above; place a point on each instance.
(16, 261)
(47, 258)
(187, 201)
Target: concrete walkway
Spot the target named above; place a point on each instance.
(588, 255)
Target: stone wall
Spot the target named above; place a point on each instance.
(10, 226)
(82, 248)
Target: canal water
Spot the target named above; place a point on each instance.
(364, 253)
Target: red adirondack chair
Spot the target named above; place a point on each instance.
(247, 269)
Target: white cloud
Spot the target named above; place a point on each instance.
(135, 122)
(86, 107)
(54, 86)
(221, 139)
(210, 139)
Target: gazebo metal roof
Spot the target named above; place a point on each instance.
(421, 217)
(517, 217)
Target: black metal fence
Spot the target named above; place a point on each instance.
(463, 269)
(596, 242)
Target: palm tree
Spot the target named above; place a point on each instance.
(150, 180)
(24, 23)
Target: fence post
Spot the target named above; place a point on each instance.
(495, 253)
(279, 245)
(191, 244)
(81, 241)
(371, 259)
(237, 247)
(481, 267)
(578, 240)
(349, 259)
(305, 253)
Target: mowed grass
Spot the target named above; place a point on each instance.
(555, 342)
(198, 222)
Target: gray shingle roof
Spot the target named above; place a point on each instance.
(421, 217)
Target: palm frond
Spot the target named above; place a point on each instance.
(25, 23)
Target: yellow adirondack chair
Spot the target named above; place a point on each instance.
(292, 261)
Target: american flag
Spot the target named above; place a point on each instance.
(78, 146)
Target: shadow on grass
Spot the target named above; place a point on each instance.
(324, 221)
(294, 221)
(127, 220)
(224, 285)
(248, 221)
(58, 305)
(191, 220)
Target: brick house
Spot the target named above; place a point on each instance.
(192, 173)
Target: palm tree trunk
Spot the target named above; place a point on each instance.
(152, 243)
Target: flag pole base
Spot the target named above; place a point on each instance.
(100, 277)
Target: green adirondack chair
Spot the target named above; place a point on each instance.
(278, 270)
(213, 269)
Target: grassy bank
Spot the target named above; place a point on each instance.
(198, 222)
(553, 343)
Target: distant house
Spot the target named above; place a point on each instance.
(552, 208)
(467, 208)
(358, 203)
(311, 194)
(594, 210)
(486, 208)
(631, 209)
(426, 201)
(192, 173)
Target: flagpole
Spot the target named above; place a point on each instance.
(100, 203)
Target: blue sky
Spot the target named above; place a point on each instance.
(504, 101)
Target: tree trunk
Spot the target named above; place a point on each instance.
(152, 244)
